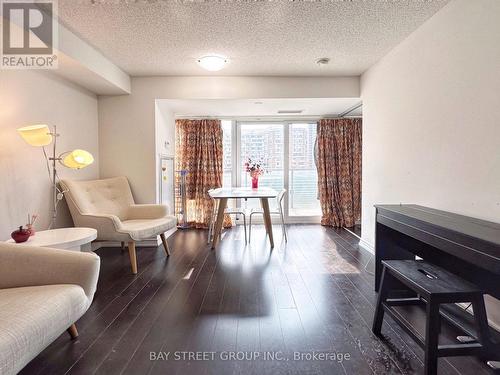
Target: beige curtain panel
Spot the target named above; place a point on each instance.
(339, 143)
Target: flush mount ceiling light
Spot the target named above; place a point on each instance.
(213, 63)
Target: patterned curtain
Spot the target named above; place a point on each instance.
(198, 148)
(339, 171)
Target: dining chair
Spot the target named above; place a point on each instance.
(227, 211)
(279, 211)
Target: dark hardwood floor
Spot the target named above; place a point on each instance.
(356, 230)
(310, 295)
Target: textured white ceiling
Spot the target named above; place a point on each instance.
(259, 107)
(161, 37)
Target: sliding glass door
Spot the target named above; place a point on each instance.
(303, 177)
(262, 142)
(286, 149)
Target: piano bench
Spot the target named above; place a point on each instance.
(433, 286)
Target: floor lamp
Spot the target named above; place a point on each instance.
(41, 136)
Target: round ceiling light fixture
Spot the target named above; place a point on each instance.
(213, 63)
(323, 61)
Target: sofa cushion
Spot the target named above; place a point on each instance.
(33, 317)
(142, 229)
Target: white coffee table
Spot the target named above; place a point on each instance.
(77, 239)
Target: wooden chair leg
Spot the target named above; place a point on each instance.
(133, 257)
(165, 244)
(213, 218)
(219, 223)
(210, 227)
(267, 220)
(431, 338)
(73, 332)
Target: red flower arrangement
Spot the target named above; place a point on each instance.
(255, 169)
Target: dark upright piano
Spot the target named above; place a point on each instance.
(464, 245)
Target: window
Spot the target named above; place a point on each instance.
(288, 164)
(227, 155)
(303, 177)
(262, 142)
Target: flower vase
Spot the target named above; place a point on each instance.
(255, 182)
(29, 228)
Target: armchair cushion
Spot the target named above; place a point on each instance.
(33, 317)
(146, 211)
(140, 229)
(43, 292)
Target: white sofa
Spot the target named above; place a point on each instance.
(108, 206)
(43, 292)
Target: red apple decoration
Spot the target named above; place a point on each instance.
(20, 235)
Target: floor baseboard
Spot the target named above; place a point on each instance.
(365, 245)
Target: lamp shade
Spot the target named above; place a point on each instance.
(36, 135)
(77, 159)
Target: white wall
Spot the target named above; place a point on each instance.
(164, 139)
(127, 125)
(431, 117)
(29, 97)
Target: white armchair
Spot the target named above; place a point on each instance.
(43, 292)
(108, 206)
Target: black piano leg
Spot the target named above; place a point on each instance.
(378, 317)
(431, 338)
(387, 248)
